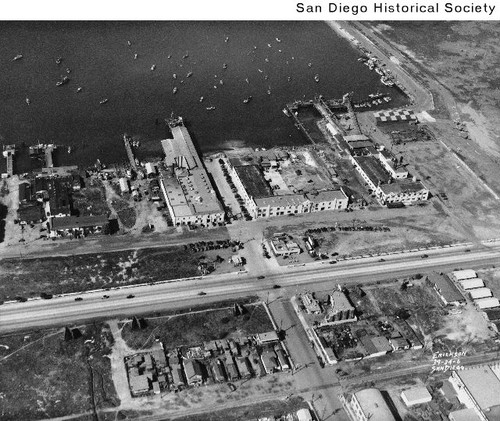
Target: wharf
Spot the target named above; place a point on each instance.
(130, 153)
(9, 152)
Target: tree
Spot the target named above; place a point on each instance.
(135, 323)
(67, 334)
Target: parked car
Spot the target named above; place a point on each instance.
(78, 299)
(424, 256)
(261, 277)
(202, 293)
(104, 297)
(276, 286)
(130, 296)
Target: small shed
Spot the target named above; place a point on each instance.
(416, 396)
(124, 185)
(150, 169)
(304, 414)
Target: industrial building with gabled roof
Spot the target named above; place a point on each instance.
(446, 289)
(460, 275)
(472, 283)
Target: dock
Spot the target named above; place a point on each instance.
(127, 140)
(9, 152)
(48, 150)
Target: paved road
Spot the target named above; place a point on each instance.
(163, 296)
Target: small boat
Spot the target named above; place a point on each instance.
(286, 112)
(269, 91)
(254, 47)
(215, 86)
(169, 56)
(68, 70)
(266, 77)
(289, 79)
(189, 74)
(182, 82)
(224, 66)
(386, 81)
(379, 71)
(174, 91)
(260, 71)
(28, 101)
(103, 101)
(58, 60)
(211, 108)
(309, 64)
(201, 99)
(135, 56)
(226, 39)
(174, 75)
(221, 82)
(69, 149)
(129, 43)
(153, 67)
(316, 78)
(266, 60)
(185, 55)
(18, 57)
(79, 89)
(278, 40)
(269, 45)
(279, 51)
(63, 81)
(247, 100)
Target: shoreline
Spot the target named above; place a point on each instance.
(421, 98)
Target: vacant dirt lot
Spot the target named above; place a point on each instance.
(45, 376)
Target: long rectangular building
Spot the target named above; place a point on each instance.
(186, 187)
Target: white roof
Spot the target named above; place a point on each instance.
(490, 302)
(304, 415)
(416, 395)
(482, 384)
(480, 293)
(472, 283)
(372, 402)
(466, 414)
(464, 274)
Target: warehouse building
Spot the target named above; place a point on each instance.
(370, 405)
(186, 187)
(478, 388)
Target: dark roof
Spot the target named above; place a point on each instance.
(446, 288)
(59, 194)
(31, 212)
(70, 222)
(373, 169)
(254, 182)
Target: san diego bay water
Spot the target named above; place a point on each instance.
(273, 62)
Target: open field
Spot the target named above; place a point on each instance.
(195, 328)
(29, 278)
(91, 199)
(45, 376)
(409, 229)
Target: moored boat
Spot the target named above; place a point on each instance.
(316, 78)
(103, 101)
(224, 66)
(174, 91)
(79, 89)
(58, 60)
(247, 100)
(387, 81)
(135, 56)
(189, 74)
(28, 101)
(201, 99)
(211, 108)
(153, 67)
(18, 57)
